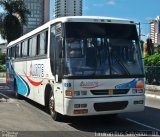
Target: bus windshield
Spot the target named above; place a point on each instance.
(102, 49)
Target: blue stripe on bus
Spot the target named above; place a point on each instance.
(23, 87)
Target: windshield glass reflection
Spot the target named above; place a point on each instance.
(103, 53)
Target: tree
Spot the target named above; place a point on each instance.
(13, 19)
(2, 58)
(150, 47)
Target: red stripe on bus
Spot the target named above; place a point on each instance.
(34, 83)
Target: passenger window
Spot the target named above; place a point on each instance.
(34, 46)
(18, 51)
(30, 47)
(9, 52)
(12, 52)
(24, 49)
(43, 43)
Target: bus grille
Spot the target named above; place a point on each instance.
(107, 92)
(108, 106)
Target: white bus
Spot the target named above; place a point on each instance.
(79, 66)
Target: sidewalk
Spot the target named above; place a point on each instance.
(2, 80)
(2, 74)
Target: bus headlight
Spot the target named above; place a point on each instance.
(139, 90)
(134, 91)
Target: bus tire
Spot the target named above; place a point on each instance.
(18, 96)
(55, 115)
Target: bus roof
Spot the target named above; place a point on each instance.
(91, 19)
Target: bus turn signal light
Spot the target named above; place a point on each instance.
(80, 111)
(69, 93)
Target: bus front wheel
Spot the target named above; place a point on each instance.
(55, 115)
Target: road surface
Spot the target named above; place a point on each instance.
(29, 119)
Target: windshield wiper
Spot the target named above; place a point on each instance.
(122, 65)
(95, 70)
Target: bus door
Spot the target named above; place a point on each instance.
(57, 61)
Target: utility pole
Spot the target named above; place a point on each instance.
(139, 24)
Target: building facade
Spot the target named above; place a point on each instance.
(155, 30)
(40, 10)
(67, 8)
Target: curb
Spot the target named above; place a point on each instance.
(153, 96)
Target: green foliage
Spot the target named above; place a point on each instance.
(153, 60)
(2, 68)
(13, 19)
(2, 62)
(2, 58)
(152, 69)
(150, 47)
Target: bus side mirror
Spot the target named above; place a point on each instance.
(56, 79)
(8, 58)
(12, 58)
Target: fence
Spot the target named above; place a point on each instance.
(152, 75)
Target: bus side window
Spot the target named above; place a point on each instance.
(17, 48)
(13, 52)
(43, 42)
(24, 48)
(34, 48)
(17, 51)
(9, 53)
(30, 47)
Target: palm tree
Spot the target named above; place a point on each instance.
(12, 21)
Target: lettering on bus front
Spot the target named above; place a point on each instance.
(37, 70)
(89, 84)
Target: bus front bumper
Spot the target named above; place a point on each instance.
(103, 105)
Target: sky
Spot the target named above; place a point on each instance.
(137, 10)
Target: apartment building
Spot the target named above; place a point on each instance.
(155, 30)
(67, 8)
